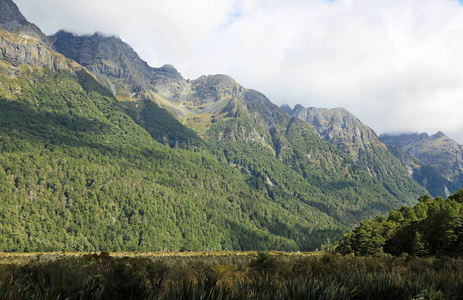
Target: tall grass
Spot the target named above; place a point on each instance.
(260, 276)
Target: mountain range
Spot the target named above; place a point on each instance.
(100, 151)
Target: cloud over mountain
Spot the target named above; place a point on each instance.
(394, 64)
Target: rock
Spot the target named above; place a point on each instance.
(287, 109)
(439, 151)
(339, 127)
(212, 88)
(10, 14)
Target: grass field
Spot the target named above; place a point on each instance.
(227, 275)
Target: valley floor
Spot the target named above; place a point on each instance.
(227, 275)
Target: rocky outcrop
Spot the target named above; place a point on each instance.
(12, 20)
(119, 67)
(213, 88)
(23, 43)
(113, 61)
(169, 84)
(10, 14)
(438, 151)
(30, 51)
(339, 127)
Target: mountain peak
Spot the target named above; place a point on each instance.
(438, 135)
(339, 127)
(23, 43)
(10, 14)
(169, 68)
(287, 109)
(412, 137)
(213, 88)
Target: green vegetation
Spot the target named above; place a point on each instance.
(434, 227)
(232, 276)
(435, 183)
(162, 126)
(296, 168)
(79, 173)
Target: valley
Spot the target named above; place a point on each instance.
(102, 152)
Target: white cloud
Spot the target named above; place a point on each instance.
(396, 64)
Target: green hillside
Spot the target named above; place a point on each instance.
(165, 163)
(432, 227)
(78, 174)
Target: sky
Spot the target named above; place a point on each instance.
(397, 65)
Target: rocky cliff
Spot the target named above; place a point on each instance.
(438, 151)
(119, 67)
(340, 128)
(10, 14)
(23, 44)
(343, 130)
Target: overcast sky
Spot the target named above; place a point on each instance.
(396, 64)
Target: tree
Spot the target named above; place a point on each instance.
(418, 247)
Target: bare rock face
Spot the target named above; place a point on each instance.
(23, 43)
(439, 151)
(118, 66)
(212, 88)
(169, 83)
(30, 51)
(12, 20)
(107, 57)
(339, 127)
(10, 14)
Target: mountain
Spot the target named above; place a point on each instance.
(23, 43)
(11, 14)
(77, 173)
(100, 151)
(113, 62)
(117, 66)
(440, 159)
(241, 127)
(343, 130)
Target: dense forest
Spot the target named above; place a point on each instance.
(434, 227)
(77, 173)
(82, 171)
(173, 165)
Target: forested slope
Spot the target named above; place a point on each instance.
(432, 227)
(82, 169)
(79, 174)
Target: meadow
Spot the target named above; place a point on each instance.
(227, 275)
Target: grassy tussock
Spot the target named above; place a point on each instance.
(227, 275)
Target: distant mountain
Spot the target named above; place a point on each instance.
(342, 129)
(100, 151)
(437, 154)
